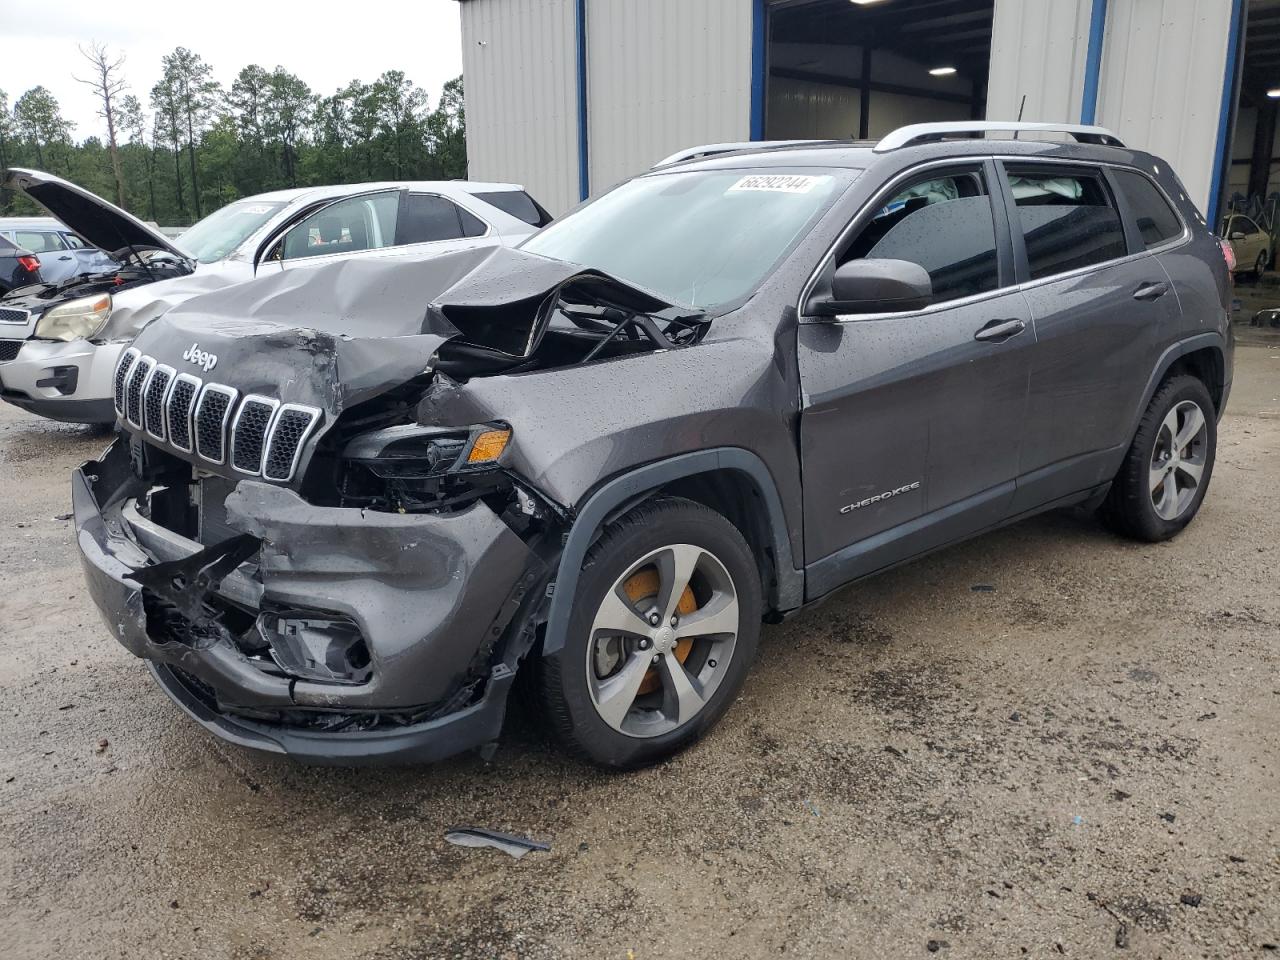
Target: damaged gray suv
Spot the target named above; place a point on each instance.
(350, 506)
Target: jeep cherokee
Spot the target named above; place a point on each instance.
(350, 505)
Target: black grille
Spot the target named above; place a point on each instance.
(180, 401)
(210, 422)
(251, 434)
(291, 428)
(154, 402)
(10, 315)
(133, 395)
(9, 349)
(122, 377)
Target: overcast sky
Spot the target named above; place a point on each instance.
(326, 43)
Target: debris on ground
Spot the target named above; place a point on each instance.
(1168, 817)
(933, 946)
(983, 588)
(508, 843)
(102, 745)
(1190, 899)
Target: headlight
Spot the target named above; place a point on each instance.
(424, 468)
(75, 320)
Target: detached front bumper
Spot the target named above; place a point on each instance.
(62, 381)
(432, 596)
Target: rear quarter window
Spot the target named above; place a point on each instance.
(1068, 219)
(1156, 220)
(518, 204)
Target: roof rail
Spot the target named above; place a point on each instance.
(711, 149)
(930, 132)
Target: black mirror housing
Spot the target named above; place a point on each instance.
(876, 286)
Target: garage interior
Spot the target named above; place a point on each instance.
(1253, 185)
(858, 69)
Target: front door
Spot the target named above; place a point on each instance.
(911, 423)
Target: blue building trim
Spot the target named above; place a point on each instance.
(759, 66)
(1093, 62)
(1226, 115)
(584, 152)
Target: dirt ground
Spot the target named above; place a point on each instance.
(1082, 761)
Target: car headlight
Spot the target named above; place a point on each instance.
(76, 319)
(412, 468)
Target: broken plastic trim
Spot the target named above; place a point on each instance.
(185, 583)
(508, 843)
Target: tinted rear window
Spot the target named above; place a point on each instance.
(518, 204)
(1157, 221)
(1067, 218)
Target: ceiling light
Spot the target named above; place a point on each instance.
(1274, 94)
(942, 71)
(865, 3)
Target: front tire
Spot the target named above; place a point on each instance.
(664, 628)
(1166, 472)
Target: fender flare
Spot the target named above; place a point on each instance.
(616, 492)
(1167, 359)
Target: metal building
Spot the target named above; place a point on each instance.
(570, 96)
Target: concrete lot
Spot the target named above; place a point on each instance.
(1084, 761)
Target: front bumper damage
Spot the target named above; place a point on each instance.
(445, 605)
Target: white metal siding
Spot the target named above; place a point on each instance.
(663, 75)
(1039, 48)
(520, 78)
(1163, 67)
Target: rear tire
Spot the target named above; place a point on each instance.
(631, 696)
(1167, 469)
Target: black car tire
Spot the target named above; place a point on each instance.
(562, 677)
(1129, 508)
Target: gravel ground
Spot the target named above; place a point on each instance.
(1081, 761)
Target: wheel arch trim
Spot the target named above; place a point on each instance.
(1171, 355)
(616, 492)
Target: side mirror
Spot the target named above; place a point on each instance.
(876, 286)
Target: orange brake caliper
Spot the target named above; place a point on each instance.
(643, 585)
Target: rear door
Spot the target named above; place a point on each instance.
(911, 422)
(57, 261)
(1101, 305)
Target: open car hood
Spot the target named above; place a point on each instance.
(103, 224)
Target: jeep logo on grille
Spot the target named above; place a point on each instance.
(201, 358)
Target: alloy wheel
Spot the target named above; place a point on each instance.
(662, 640)
(1178, 460)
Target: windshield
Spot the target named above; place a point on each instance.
(218, 234)
(701, 238)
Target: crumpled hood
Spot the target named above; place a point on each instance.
(101, 223)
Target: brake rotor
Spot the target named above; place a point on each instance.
(643, 585)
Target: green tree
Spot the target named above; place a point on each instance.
(447, 127)
(197, 96)
(38, 121)
(166, 100)
(289, 107)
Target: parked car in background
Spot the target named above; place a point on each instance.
(61, 251)
(63, 338)
(1250, 243)
(341, 525)
(18, 266)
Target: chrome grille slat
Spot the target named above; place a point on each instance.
(249, 433)
(213, 410)
(153, 400)
(123, 368)
(292, 425)
(138, 377)
(178, 409)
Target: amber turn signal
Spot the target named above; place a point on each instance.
(488, 446)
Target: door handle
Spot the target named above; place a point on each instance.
(998, 331)
(66, 256)
(1151, 291)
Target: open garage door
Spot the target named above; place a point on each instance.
(857, 69)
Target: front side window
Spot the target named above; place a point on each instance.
(1157, 221)
(703, 238)
(348, 226)
(944, 223)
(74, 242)
(219, 234)
(1068, 219)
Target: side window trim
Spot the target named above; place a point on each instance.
(452, 201)
(1019, 239)
(269, 246)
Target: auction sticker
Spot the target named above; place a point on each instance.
(778, 183)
